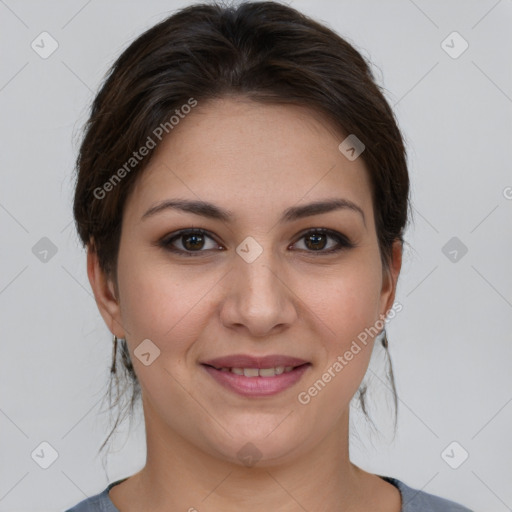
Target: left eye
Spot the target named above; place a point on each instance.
(317, 241)
(194, 241)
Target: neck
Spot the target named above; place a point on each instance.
(180, 476)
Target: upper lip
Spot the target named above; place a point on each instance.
(247, 361)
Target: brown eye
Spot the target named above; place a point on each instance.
(194, 242)
(325, 241)
(316, 241)
(191, 242)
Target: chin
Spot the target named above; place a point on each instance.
(264, 446)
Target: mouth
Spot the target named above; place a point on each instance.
(258, 372)
(256, 376)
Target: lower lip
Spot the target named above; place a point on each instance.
(257, 386)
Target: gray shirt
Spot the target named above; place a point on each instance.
(412, 500)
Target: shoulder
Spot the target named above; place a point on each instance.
(414, 500)
(98, 503)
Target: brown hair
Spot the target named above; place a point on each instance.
(262, 51)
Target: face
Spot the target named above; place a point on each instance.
(257, 275)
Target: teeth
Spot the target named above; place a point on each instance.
(261, 372)
(267, 372)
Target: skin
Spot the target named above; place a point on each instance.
(255, 160)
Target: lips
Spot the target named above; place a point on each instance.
(256, 376)
(246, 361)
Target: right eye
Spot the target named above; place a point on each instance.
(192, 242)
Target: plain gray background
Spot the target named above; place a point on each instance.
(451, 343)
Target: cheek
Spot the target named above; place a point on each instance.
(347, 304)
(347, 307)
(163, 305)
(171, 311)
(346, 301)
(173, 305)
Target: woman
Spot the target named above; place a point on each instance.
(243, 192)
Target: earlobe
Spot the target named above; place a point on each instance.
(390, 276)
(104, 294)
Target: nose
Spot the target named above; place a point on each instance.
(258, 299)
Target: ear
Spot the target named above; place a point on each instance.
(390, 278)
(104, 293)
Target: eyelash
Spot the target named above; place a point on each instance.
(342, 241)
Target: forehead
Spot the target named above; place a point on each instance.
(251, 157)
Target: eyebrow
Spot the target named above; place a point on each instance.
(211, 211)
